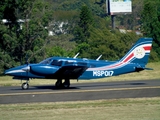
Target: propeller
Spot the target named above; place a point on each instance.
(27, 68)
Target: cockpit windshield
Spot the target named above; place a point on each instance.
(46, 61)
(56, 62)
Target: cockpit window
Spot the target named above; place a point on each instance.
(46, 61)
(56, 62)
(69, 62)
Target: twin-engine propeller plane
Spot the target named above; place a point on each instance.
(62, 68)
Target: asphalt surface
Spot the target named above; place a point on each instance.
(81, 91)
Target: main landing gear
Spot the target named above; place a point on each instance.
(60, 84)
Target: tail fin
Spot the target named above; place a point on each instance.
(140, 52)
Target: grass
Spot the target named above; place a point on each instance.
(120, 109)
(143, 75)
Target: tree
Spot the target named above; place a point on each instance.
(86, 20)
(7, 33)
(32, 36)
(25, 32)
(151, 25)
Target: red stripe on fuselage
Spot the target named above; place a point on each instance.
(129, 57)
(112, 66)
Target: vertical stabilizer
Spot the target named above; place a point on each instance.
(140, 52)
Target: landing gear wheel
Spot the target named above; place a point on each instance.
(66, 84)
(25, 86)
(59, 84)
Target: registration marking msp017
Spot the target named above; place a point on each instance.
(105, 73)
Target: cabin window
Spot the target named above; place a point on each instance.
(69, 63)
(56, 62)
(82, 63)
(46, 61)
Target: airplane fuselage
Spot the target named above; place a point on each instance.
(58, 67)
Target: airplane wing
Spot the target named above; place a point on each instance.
(70, 72)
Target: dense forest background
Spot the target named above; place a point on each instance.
(36, 29)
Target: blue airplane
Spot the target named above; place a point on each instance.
(64, 69)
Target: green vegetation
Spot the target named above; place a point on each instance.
(151, 25)
(84, 25)
(77, 26)
(122, 109)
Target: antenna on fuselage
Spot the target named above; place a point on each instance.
(76, 55)
(99, 57)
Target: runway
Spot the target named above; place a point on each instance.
(81, 92)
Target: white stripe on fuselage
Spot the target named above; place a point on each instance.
(14, 71)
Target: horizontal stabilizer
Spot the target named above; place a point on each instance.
(148, 68)
(142, 68)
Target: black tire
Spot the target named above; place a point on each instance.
(58, 84)
(66, 84)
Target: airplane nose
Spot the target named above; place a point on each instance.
(5, 73)
(16, 70)
(8, 72)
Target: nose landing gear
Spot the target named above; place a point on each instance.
(25, 86)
